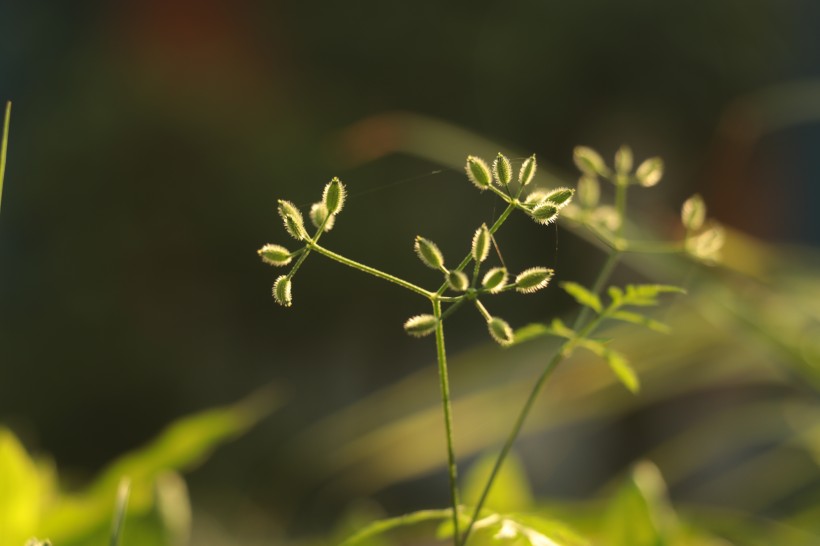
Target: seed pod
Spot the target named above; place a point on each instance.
(532, 279)
(707, 245)
(275, 255)
(495, 279)
(560, 197)
(429, 253)
(607, 217)
(281, 291)
(527, 172)
(534, 197)
(500, 331)
(589, 191)
(590, 162)
(502, 170)
(319, 215)
(457, 280)
(623, 160)
(294, 224)
(420, 325)
(544, 213)
(650, 172)
(334, 196)
(693, 213)
(478, 172)
(481, 244)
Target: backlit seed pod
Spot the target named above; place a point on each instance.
(429, 253)
(294, 224)
(281, 291)
(478, 172)
(481, 244)
(457, 280)
(607, 217)
(500, 331)
(319, 215)
(502, 170)
(535, 197)
(420, 325)
(590, 162)
(527, 172)
(560, 197)
(532, 279)
(623, 160)
(544, 213)
(706, 246)
(693, 213)
(495, 279)
(650, 172)
(334, 195)
(589, 191)
(275, 255)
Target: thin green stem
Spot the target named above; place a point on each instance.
(483, 311)
(4, 145)
(620, 206)
(373, 271)
(444, 382)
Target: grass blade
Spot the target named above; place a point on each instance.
(119, 511)
(4, 145)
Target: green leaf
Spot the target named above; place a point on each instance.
(582, 295)
(643, 320)
(511, 491)
(624, 372)
(646, 295)
(366, 535)
(22, 492)
(560, 329)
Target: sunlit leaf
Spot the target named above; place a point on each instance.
(582, 295)
(22, 492)
(643, 320)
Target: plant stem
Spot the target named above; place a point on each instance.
(4, 145)
(372, 271)
(448, 417)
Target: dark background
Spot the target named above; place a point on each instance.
(151, 139)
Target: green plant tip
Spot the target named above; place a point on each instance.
(527, 172)
(420, 325)
(281, 291)
(590, 162)
(481, 244)
(457, 280)
(478, 172)
(275, 255)
(495, 279)
(500, 331)
(334, 196)
(319, 216)
(650, 172)
(429, 253)
(533, 279)
(693, 213)
(623, 160)
(292, 218)
(502, 170)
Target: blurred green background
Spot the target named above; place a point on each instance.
(150, 141)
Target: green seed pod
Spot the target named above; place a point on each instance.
(650, 172)
(560, 197)
(478, 172)
(275, 255)
(500, 331)
(590, 162)
(589, 191)
(623, 160)
(495, 279)
(534, 198)
(544, 213)
(481, 244)
(334, 195)
(281, 291)
(319, 215)
(502, 170)
(294, 223)
(693, 213)
(527, 172)
(429, 253)
(607, 217)
(457, 280)
(532, 279)
(707, 245)
(420, 325)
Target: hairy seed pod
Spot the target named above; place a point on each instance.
(532, 279)
(623, 160)
(560, 197)
(527, 172)
(650, 172)
(501, 331)
(502, 169)
(281, 291)
(420, 325)
(294, 223)
(481, 244)
(544, 213)
(478, 172)
(495, 279)
(457, 280)
(319, 215)
(275, 255)
(693, 213)
(429, 253)
(334, 195)
(590, 162)
(589, 191)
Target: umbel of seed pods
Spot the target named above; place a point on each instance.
(541, 206)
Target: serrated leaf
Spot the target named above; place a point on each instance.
(643, 320)
(622, 369)
(560, 329)
(582, 295)
(646, 295)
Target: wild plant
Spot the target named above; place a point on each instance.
(473, 282)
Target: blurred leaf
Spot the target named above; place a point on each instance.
(23, 492)
(582, 295)
(371, 534)
(511, 491)
(637, 318)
